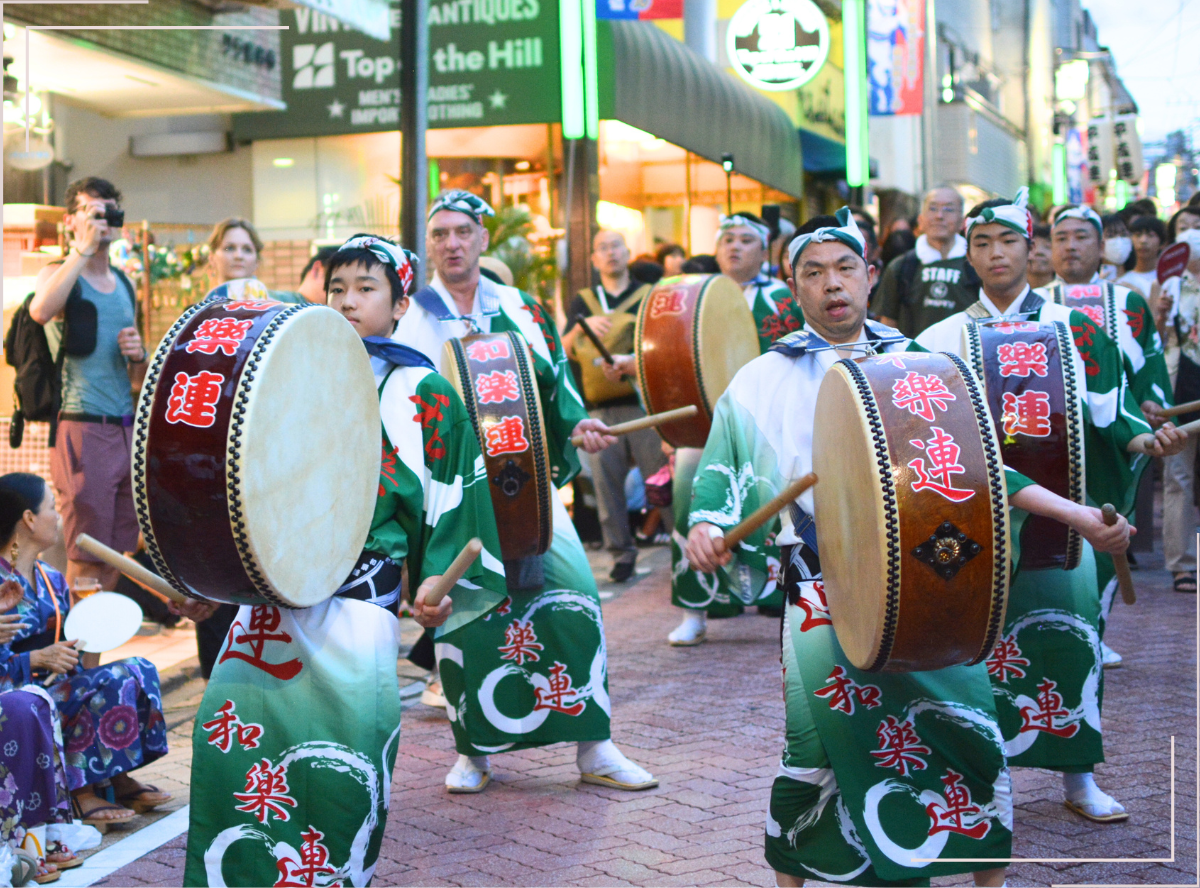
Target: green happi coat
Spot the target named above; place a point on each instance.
(1046, 668)
(1127, 320)
(535, 671)
(295, 739)
(753, 578)
(883, 775)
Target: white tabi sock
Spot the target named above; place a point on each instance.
(1082, 790)
(468, 772)
(694, 625)
(602, 758)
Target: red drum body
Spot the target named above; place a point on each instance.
(1029, 374)
(256, 452)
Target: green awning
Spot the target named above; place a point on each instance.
(657, 84)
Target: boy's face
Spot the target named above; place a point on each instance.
(364, 298)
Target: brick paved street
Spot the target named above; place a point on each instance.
(707, 721)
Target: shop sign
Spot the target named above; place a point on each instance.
(639, 10)
(369, 16)
(895, 56)
(491, 62)
(1127, 146)
(777, 44)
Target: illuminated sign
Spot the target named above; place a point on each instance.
(778, 44)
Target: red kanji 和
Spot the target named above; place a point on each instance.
(222, 335)
(505, 436)
(959, 814)
(1084, 343)
(312, 869)
(1027, 414)
(815, 606)
(1022, 358)
(1042, 716)
(266, 792)
(264, 620)
(1006, 660)
(225, 726)
(427, 415)
(842, 691)
(943, 463)
(560, 690)
(1010, 327)
(921, 395)
(193, 399)
(899, 746)
(250, 305)
(497, 387)
(520, 643)
(667, 302)
(502, 609)
(489, 350)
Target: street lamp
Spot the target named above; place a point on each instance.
(727, 165)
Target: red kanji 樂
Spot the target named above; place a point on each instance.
(899, 746)
(943, 456)
(922, 395)
(1048, 708)
(1022, 358)
(1094, 313)
(520, 643)
(193, 400)
(1027, 414)
(497, 387)
(505, 436)
(266, 792)
(225, 726)
(489, 350)
(842, 692)
(1006, 660)
(958, 814)
(222, 335)
(312, 869)
(561, 696)
(264, 621)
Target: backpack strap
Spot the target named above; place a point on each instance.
(633, 298)
(590, 300)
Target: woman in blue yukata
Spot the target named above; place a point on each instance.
(112, 720)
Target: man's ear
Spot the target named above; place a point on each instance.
(487, 237)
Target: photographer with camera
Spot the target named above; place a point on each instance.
(89, 311)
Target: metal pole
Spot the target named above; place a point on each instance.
(687, 202)
(728, 192)
(414, 117)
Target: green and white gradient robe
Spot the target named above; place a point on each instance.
(295, 740)
(535, 671)
(1046, 669)
(879, 770)
(753, 577)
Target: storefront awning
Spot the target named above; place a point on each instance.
(822, 155)
(660, 86)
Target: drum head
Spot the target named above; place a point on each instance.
(102, 622)
(726, 338)
(309, 456)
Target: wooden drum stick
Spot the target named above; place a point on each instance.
(590, 334)
(149, 581)
(1180, 409)
(645, 422)
(1120, 562)
(454, 572)
(765, 513)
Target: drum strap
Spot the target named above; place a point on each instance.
(392, 351)
(430, 300)
(1032, 303)
(804, 527)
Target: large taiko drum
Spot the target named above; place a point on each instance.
(911, 512)
(494, 375)
(256, 452)
(694, 332)
(1028, 371)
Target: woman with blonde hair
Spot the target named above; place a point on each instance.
(234, 253)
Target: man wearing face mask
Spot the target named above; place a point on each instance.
(1078, 249)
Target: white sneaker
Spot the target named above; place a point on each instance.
(1110, 658)
(469, 774)
(691, 631)
(601, 763)
(433, 696)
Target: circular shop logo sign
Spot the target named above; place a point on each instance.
(778, 44)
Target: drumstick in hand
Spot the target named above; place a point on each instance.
(765, 513)
(590, 334)
(454, 572)
(1180, 409)
(151, 582)
(1120, 562)
(644, 422)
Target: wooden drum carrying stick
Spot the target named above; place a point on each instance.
(151, 582)
(1180, 409)
(645, 422)
(454, 572)
(1120, 562)
(591, 334)
(765, 513)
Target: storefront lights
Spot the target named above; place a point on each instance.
(858, 169)
(577, 55)
(1071, 80)
(283, 162)
(1164, 184)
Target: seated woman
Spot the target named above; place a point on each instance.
(112, 720)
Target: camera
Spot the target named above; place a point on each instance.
(114, 217)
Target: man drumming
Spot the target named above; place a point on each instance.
(549, 635)
(1052, 618)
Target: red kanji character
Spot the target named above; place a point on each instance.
(1049, 707)
(497, 387)
(894, 360)
(266, 792)
(843, 692)
(1077, 292)
(250, 305)
(1136, 322)
(435, 447)
(502, 609)
(264, 620)
(520, 643)
(1083, 337)
(772, 328)
(959, 814)
(943, 458)
(1027, 414)
(1005, 659)
(222, 335)
(815, 606)
(488, 350)
(387, 467)
(667, 302)
(428, 414)
(1094, 313)
(505, 436)
(1009, 327)
(312, 866)
(921, 395)
(899, 746)
(539, 318)
(193, 399)
(225, 725)
(1022, 358)
(560, 688)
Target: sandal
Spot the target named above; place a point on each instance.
(24, 868)
(1186, 583)
(62, 857)
(133, 800)
(47, 872)
(101, 823)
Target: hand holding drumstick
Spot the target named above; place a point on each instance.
(708, 547)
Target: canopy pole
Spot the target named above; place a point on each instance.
(414, 118)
